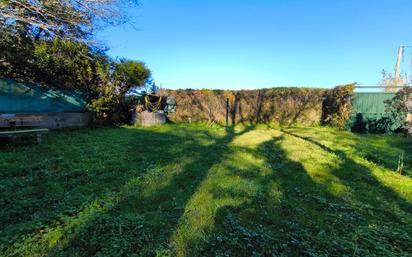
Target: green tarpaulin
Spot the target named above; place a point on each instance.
(16, 97)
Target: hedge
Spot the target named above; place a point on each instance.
(284, 106)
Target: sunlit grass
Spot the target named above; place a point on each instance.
(190, 190)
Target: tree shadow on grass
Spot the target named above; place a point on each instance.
(400, 146)
(292, 215)
(139, 214)
(70, 202)
(280, 219)
(363, 182)
(157, 210)
(382, 150)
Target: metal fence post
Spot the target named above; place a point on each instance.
(227, 112)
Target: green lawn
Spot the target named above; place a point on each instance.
(182, 190)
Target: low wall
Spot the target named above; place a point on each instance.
(55, 120)
(148, 119)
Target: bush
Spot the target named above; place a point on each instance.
(337, 106)
(112, 98)
(71, 65)
(397, 110)
(393, 120)
(382, 125)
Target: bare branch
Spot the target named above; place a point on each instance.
(73, 19)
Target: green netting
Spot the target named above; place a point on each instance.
(16, 97)
(370, 105)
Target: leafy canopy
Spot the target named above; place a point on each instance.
(131, 73)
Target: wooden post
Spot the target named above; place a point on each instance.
(398, 64)
(38, 136)
(227, 112)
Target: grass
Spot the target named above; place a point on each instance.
(182, 190)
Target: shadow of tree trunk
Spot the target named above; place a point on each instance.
(362, 181)
(292, 215)
(158, 211)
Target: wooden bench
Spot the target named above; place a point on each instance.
(37, 132)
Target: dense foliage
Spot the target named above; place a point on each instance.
(57, 63)
(337, 106)
(51, 43)
(66, 64)
(130, 73)
(122, 76)
(397, 109)
(285, 106)
(393, 120)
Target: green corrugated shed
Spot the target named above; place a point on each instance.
(370, 105)
(16, 97)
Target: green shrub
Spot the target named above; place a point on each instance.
(383, 125)
(397, 111)
(337, 106)
(393, 120)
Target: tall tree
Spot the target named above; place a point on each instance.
(130, 74)
(74, 19)
(50, 42)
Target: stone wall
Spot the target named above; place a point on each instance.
(55, 120)
(148, 119)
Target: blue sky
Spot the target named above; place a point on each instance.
(243, 44)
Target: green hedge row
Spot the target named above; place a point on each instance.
(284, 106)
